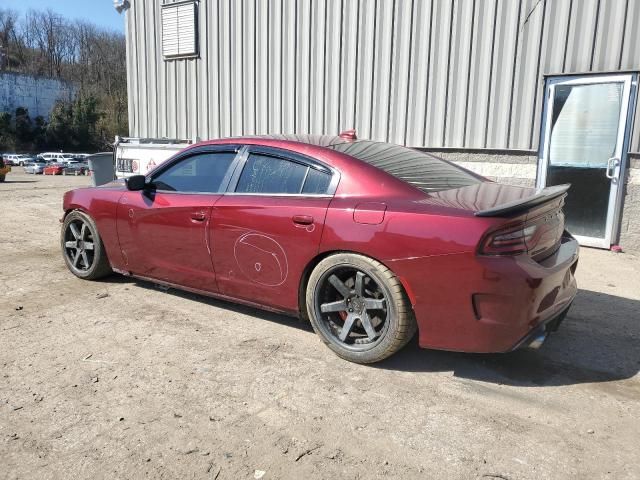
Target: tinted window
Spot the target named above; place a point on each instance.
(264, 174)
(203, 172)
(424, 171)
(316, 182)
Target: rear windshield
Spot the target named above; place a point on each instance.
(424, 171)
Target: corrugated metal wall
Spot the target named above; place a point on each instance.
(442, 73)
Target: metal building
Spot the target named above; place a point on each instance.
(530, 92)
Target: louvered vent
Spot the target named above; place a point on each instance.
(179, 30)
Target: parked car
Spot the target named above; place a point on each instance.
(75, 168)
(11, 159)
(17, 159)
(369, 241)
(23, 158)
(4, 169)
(53, 169)
(58, 157)
(35, 167)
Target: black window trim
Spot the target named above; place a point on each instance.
(184, 154)
(290, 156)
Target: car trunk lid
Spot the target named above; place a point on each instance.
(533, 218)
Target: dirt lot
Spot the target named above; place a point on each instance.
(121, 379)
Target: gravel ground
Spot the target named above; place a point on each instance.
(121, 379)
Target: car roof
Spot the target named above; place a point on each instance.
(412, 167)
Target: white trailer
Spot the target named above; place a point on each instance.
(137, 156)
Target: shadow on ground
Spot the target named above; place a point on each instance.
(599, 341)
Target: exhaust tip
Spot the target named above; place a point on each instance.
(537, 341)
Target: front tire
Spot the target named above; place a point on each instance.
(82, 247)
(359, 308)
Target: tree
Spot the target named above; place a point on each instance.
(39, 133)
(58, 131)
(87, 57)
(23, 129)
(85, 118)
(8, 38)
(7, 135)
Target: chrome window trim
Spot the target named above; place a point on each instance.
(300, 195)
(174, 192)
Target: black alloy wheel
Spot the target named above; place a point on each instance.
(359, 308)
(82, 247)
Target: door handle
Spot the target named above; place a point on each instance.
(302, 219)
(199, 216)
(612, 163)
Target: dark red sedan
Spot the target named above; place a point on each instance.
(369, 241)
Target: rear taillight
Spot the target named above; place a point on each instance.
(535, 237)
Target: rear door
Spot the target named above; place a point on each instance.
(164, 232)
(267, 228)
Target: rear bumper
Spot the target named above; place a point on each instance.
(535, 338)
(482, 304)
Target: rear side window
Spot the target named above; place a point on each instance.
(273, 175)
(317, 182)
(203, 172)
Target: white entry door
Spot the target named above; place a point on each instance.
(586, 127)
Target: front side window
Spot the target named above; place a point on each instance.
(203, 172)
(273, 175)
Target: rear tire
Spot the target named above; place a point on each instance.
(358, 307)
(2, 178)
(82, 247)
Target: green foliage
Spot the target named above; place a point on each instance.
(59, 128)
(23, 128)
(73, 126)
(7, 133)
(38, 134)
(43, 43)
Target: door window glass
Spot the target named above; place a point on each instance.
(584, 128)
(264, 174)
(203, 172)
(317, 182)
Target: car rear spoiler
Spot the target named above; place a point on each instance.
(541, 196)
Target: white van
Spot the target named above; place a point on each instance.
(58, 157)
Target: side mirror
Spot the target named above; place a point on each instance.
(136, 182)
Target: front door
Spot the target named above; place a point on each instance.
(586, 129)
(164, 236)
(165, 230)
